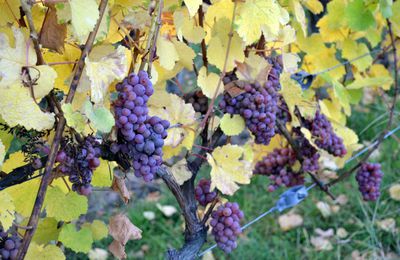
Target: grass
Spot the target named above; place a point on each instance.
(266, 240)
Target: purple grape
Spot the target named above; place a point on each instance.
(369, 178)
(9, 244)
(203, 194)
(198, 100)
(225, 223)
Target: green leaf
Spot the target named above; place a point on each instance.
(369, 82)
(74, 119)
(99, 229)
(49, 252)
(66, 207)
(78, 241)
(359, 16)
(386, 8)
(46, 231)
(101, 118)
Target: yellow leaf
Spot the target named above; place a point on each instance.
(370, 82)
(232, 125)
(218, 45)
(378, 70)
(24, 196)
(394, 192)
(84, 15)
(263, 150)
(13, 59)
(352, 49)
(176, 111)
(9, 11)
(208, 83)
(254, 68)
(219, 9)
(350, 140)
(47, 231)
(314, 6)
(102, 177)
(99, 229)
(2, 154)
(181, 172)
(42, 252)
(228, 169)
(45, 76)
(256, 16)
(103, 71)
(15, 160)
(186, 54)
(290, 61)
(18, 108)
(300, 15)
(63, 206)
(7, 210)
(187, 28)
(332, 26)
(167, 53)
(193, 6)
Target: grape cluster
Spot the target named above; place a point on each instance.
(325, 138)
(140, 136)
(369, 177)
(283, 113)
(9, 245)
(198, 100)
(79, 162)
(309, 153)
(225, 223)
(203, 194)
(257, 105)
(277, 165)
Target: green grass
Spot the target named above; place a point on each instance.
(265, 239)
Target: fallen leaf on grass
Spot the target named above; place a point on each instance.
(98, 254)
(167, 210)
(342, 233)
(321, 244)
(117, 249)
(388, 225)
(290, 221)
(149, 215)
(324, 233)
(394, 192)
(324, 208)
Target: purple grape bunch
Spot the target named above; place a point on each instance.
(140, 136)
(225, 224)
(277, 165)
(257, 105)
(369, 178)
(9, 245)
(79, 162)
(198, 100)
(203, 194)
(325, 138)
(309, 153)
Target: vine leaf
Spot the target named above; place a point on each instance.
(13, 59)
(167, 53)
(44, 77)
(101, 118)
(24, 195)
(99, 229)
(118, 185)
(74, 118)
(352, 49)
(256, 16)
(2, 153)
(193, 6)
(314, 6)
(47, 231)
(78, 241)
(7, 210)
(102, 176)
(49, 252)
(358, 15)
(208, 82)
(65, 207)
(181, 172)
(187, 28)
(185, 53)
(228, 168)
(52, 34)
(232, 125)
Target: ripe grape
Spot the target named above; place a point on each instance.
(198, 100)
(9, 245)
(325, 138)
(369, 177)
(225, 224)
(203, 194)
(139, 136)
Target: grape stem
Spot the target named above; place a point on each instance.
(34, 218)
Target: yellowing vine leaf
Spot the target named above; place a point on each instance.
(256, 16)
(99, 229)
(74, 118)
(47, 230)
(228, 168)
(290, 62)
(218, 45)
(18, 108)
(78, 241)
(232, 125)
(181, 172)
(9, 9)
(299, 15)
(102, 177)
(187, 28)
(46, 77)
(378, 70)
(7, 210)
(314, 6)
(332, 25)
(219, 9)
(48, 252)
(13, 59)
(352, 49)
(84, 15)
(176, 111)
(208, 83)
(185, 53)
(2, 153)
(254, 68)
(63, 206)
(23, 196)
(103, 71)
(193, 6)
(167, 53)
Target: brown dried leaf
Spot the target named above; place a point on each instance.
(122, 229)
(118, 185)
(234, 89)
(117, 249)
(325, 233)
(52, 34)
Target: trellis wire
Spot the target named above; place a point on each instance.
(274, 208)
